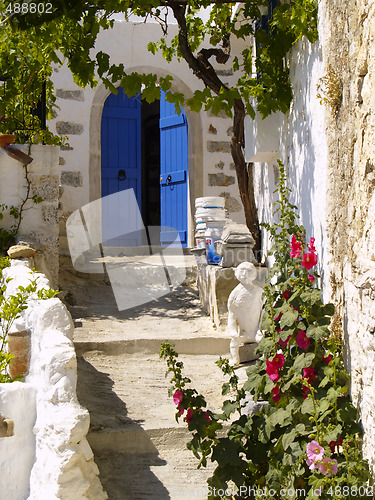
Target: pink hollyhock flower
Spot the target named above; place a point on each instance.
(309, 260)
(327, 359)
(287, 294)
(177, 397)
(311, 278)
(314, 451)
(189, 415)
(311, 246)
(278, 361)
(276, 394)
(180, 410)
(207, 417)
(328, 466)
(296, 248)
(284, 343)
(302, 340)
(309, 374)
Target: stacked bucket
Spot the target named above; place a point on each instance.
(210, 219)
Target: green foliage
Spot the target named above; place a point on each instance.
(32, 42)
(11, 307)
(301, 379)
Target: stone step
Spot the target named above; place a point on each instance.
(139, 447)
(168, 475)
(216, 345)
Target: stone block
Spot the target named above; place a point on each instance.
(61, 161)
(74, 95)
(46, 186)
(21, 251)
(231, 204)
(246, 352)
(70, 178)
(49, 214)
(215, 284)
(220, 180)
(218, 146)
(220, 165)
(212, 129)
(234, 255)
(69, 128)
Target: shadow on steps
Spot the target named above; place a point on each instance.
(124, 476)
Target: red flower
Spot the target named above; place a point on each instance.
(309, 374)
(333, 444)
(189, 415)
(274, 366)
(309, 260)
(276, 394)
(296, 248)
(327, 359)
(284, 343)
(311, 278)
(311, 246)
(287, 294)
(302, 340)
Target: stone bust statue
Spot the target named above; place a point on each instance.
(244, 310)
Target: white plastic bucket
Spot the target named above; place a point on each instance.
(210, 212)
(210, 202)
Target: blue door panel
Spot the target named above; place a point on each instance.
(121, 153)
(173, 163)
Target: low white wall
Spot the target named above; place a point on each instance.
(55, 424)
(17, 453)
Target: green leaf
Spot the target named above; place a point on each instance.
(307, 405)
(288, 438)
(227, 451)
(288, 318)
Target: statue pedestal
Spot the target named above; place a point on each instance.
(246, 352)
(215, 284)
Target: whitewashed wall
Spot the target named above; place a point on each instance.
(48, 457)
(298, 139)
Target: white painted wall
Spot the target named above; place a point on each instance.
(299, 137)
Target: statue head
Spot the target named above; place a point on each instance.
(246, 273)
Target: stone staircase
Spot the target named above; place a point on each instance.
(139, 448)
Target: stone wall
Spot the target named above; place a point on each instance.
(39, 220)
(48, 456)
(350, 66)
(327, 142)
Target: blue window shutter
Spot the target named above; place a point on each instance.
(121, 153)
(173, 172)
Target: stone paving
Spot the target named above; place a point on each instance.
(139, 448)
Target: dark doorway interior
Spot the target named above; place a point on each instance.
(150, 163)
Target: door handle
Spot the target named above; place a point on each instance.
(121, 175)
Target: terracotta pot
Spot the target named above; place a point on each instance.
(6, 139)
(19, 344)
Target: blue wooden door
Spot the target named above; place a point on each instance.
(121, 164)
(173, 172)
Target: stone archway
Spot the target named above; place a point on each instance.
(195, 146)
